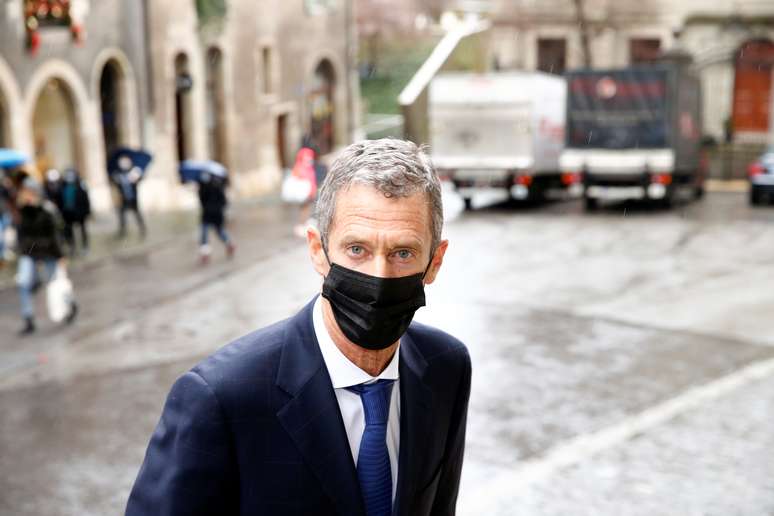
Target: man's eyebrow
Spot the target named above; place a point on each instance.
(405, 242)
(352, 238)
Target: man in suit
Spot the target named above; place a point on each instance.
(348, 407)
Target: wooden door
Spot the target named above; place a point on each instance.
(752, 86)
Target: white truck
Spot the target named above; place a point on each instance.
(634, 133)
(500, 132)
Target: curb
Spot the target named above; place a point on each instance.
(727, 185)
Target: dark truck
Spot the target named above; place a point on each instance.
(634, 133)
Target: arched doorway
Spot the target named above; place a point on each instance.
(321, 107)
(752, 86)
(55, 129)
(4, 123)
(183, 85)
(216, 135)
(111, 104)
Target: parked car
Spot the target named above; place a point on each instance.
(761, 174)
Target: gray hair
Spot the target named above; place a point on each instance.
(397, 168)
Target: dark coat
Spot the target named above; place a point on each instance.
(256, 429)
(212, 197)
(75, 203)
(127, 189)
(39, 232)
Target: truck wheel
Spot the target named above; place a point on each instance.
(590, 204)
(755, 198)
(698, 192)
(668, 200)
(468, 203)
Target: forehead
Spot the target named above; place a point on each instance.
(364, 210)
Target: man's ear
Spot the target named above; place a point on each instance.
(436, 262)
(316, 252)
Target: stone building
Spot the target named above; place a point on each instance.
(239, 81)
(243, 86)
(731, 42)
(72, 82)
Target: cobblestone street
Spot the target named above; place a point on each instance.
(623, 361)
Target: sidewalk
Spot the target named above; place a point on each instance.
(163, 228)
(727, 185)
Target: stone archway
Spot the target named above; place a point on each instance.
(5, 122)
(111, 103)
(754, 62)
(183, 108)
(215, 103)
(55, 128)
(12, 133)
(321, 101)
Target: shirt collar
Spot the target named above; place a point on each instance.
(342, 371)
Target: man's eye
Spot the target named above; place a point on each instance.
(356, 250)
(403, 254)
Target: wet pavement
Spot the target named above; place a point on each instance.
(623, 360)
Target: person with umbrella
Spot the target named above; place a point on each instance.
(10, 177)
(38, 243)
(212, 179)
(212, 197)
(126, 173)
(5, 212)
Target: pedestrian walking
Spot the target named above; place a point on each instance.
(5, 214)
(76, 209)
(38, 240)
(53, 187)
(212, 197)
(303, 177)
(347, 408)
(126, 178)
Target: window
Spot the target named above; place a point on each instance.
(314, 7)
(644, 50)
(552, 55)
(47, 13)
(267, 77)
(211, 10)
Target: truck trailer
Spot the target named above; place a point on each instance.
(500, 132)
(634, 133)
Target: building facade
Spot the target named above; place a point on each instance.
(238, 81)
(72, 82)
(244, 86)
(731, 42)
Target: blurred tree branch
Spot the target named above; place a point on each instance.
(584, 33)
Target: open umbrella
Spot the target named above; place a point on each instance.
(139, 158)
(191, 170)
(10, 158)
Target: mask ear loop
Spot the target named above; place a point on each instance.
(325, 251)
(428, 266)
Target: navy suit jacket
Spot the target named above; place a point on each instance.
(255, 429)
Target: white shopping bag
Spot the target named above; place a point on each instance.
(59, 295)
(296, 190)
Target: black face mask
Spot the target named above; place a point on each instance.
(373, 312)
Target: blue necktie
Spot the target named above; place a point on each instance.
(373, 460)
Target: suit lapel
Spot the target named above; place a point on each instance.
(415, 423)
(312, 417)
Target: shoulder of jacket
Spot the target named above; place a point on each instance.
(435, 343)
(253, 354)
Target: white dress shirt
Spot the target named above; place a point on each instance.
(345, 374)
